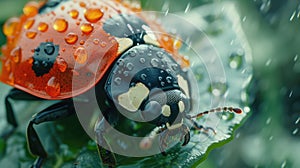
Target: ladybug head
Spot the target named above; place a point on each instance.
(146, 80)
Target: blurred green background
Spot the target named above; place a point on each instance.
(270, 136)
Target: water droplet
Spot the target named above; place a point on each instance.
(16, 54)
(96, 41)
(130, 66)
(87, 28)
(31, 34)
(162, 84)
(142, 60)
(71, 38)
(62, 64)
(295, 131)
(81, 42)
(199, 73)
(126, 73)
(188, 8)
(60, 25)
(291, 93)
(271, 138)
(10, 26)
(7, 65)
(29, 24)
(293, 15)
(11, 79)
(44, 63)
(268, 120)
(166, 38)
(169, 79)
(174, 67)
(93, 15)
(265, 6)
(143, 76)
(154, 62)
(82, 4)
(120, 62)
(236, 60)
(297, 121)
(74, 13)
(103, 44)
(168, 70)
(159, 54)
(31, 9)
(226, 116)
(43, 27)
(53, 87)
(244, 18)
(218, 88)
(132, 53)
(296, 57)
(49, 49)
(268, 62)
(283, 164)
(80, 55)
(117, 80)
(247, 109)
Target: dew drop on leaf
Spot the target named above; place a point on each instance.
(236, 60)
(218, 88)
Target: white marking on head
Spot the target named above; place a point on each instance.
(175, 126)
(149, 40)
(166, 111)
(132, 99)
(183, 84)
(150, 37)
(181, 106)
(124, 44)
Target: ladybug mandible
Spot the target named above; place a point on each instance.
(60, 49)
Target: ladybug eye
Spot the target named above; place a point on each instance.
(152, 110)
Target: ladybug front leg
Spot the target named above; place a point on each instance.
(200, 128)
(14, 94)
(186, 134)
(54, 112)
(101, 128)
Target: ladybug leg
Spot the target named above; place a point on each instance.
(163, 145)
(102, 127)
(14, 94)
(186, 134)
(147, 141)
(54, 112)
(205, 130)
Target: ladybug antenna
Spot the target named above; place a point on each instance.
(215, 110)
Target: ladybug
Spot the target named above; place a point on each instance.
(61, 49)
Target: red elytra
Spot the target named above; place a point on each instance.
(81, 62)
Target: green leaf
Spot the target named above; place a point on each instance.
(222, 76)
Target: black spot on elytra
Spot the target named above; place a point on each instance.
(126, 26)
(44, 58)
